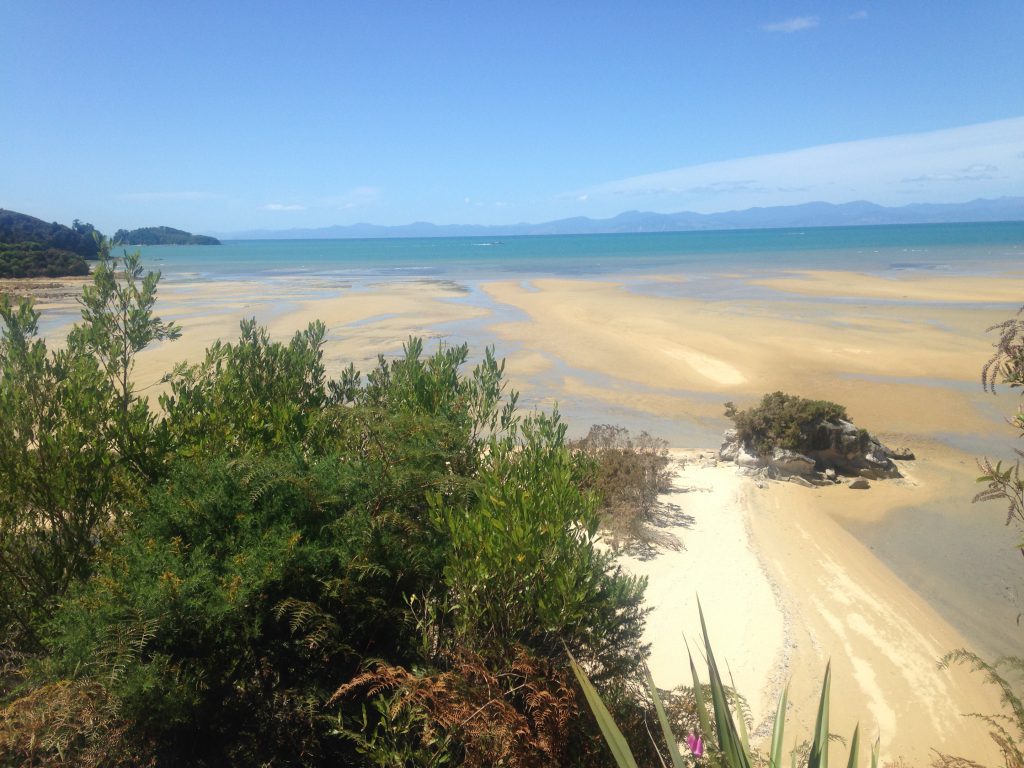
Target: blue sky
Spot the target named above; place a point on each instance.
(225, 116)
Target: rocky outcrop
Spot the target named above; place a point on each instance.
(837, 448)
(790, 462)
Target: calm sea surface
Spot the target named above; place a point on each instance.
(959, 248)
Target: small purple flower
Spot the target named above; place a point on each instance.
(696, 744)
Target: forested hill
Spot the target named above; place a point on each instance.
(21, 228)
(31, 247)
(161, 236)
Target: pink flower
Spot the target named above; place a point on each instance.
(696, 744)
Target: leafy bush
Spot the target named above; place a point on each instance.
(782, 420)
(406, 541)
(39, 260)
(74, 443)
(523, 566)
(628, 475)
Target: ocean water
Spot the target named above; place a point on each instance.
(958, 248)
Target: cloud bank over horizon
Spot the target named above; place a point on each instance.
(945, 166)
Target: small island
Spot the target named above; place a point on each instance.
(808, 442)
(31, 247)
(161, 236)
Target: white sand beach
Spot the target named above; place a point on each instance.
(785, 590)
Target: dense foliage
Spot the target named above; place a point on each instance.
(278, 568)
(38, 260)
(19, 228)
(782, 420)
(161, 236)
(628, 474)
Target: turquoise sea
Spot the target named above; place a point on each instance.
(958, 248)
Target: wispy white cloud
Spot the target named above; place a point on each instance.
(283, 207)
(952, 165)
(357, 197)
(975, 172)
(858, 15)
(795, 24)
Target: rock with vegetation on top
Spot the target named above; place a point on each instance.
(814, 439)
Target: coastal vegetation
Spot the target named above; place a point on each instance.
(1006, 367)
(725, 744)
(160, 236)
(809, 442)
(38, 260)
(784, 421)
(31, 247)
(628, 474)
(277, 567)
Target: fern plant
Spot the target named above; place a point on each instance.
(1006, 729)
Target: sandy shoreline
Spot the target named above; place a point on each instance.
(903, 357)
(784, 590)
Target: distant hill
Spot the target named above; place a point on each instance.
(161, 236)
(31, 247)
(817, 214)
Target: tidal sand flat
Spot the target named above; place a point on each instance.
(906, 367)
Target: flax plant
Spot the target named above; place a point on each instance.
(718, 726)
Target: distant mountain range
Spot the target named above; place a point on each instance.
(859, 213)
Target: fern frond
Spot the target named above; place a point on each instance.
(307, 617)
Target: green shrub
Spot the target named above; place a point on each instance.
(523, 567)
(782, 420)
(39, 260)
(276, 536)
(76, 444)
(628, 475)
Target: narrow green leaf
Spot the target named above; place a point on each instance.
(819, 746)
(728, 738)
(698, 698)
(666, 730)
(744, 741)
(612, 735)
(874, 752)
(854, 748)
(775, 751)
